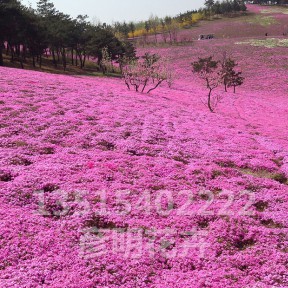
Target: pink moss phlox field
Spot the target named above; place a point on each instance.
(67, 141)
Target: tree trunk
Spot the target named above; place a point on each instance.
(80, 59)
(234, 89)
(144, 85)
(54, 58)
(12, 56)
(24, 53)
(127, 84)
(1, 55)
(64, 58)
(17, 51)
(21, 63)
(164, 36)
(58, 56)
(156, 86)
(99, 59)
(209, 101)
(84, 60)
(12, 53)
(21, 58)
(170, 36)
(72, 56)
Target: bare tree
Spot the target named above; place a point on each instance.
(147, 73)
(154, 22)
(163, 31)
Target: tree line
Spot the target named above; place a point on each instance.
(269, 2)
(224, 7)
(169, 26)
(27, 33)
(35, 33)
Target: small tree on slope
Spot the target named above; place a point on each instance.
(227, 69)
(229, 75)
(208, 70)
(235, 80)
(146, 73)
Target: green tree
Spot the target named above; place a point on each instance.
(147, 26)
(11, 21)
(227, 67)
(209, 4)
(103, 38)
(154, 22)
(235, 80)
(230, 77)
(168, 22)
(207, 70)
(132, 28)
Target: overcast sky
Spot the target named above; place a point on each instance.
(120, 10)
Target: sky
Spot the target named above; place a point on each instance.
(109, 11)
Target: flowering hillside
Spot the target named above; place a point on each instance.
(259, 20)
(104, 187)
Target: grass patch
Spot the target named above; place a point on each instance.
(261, 206)
(263, 20)
(20, 143)
(105, 145)
(279, 177)
(243, 244)
(6, 176)
(226, 163)
(275, 10)
(278, 161)
(268, 43)
(180, 159)
(269, 223)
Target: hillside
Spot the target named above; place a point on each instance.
(193, 198)
(257, 21)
